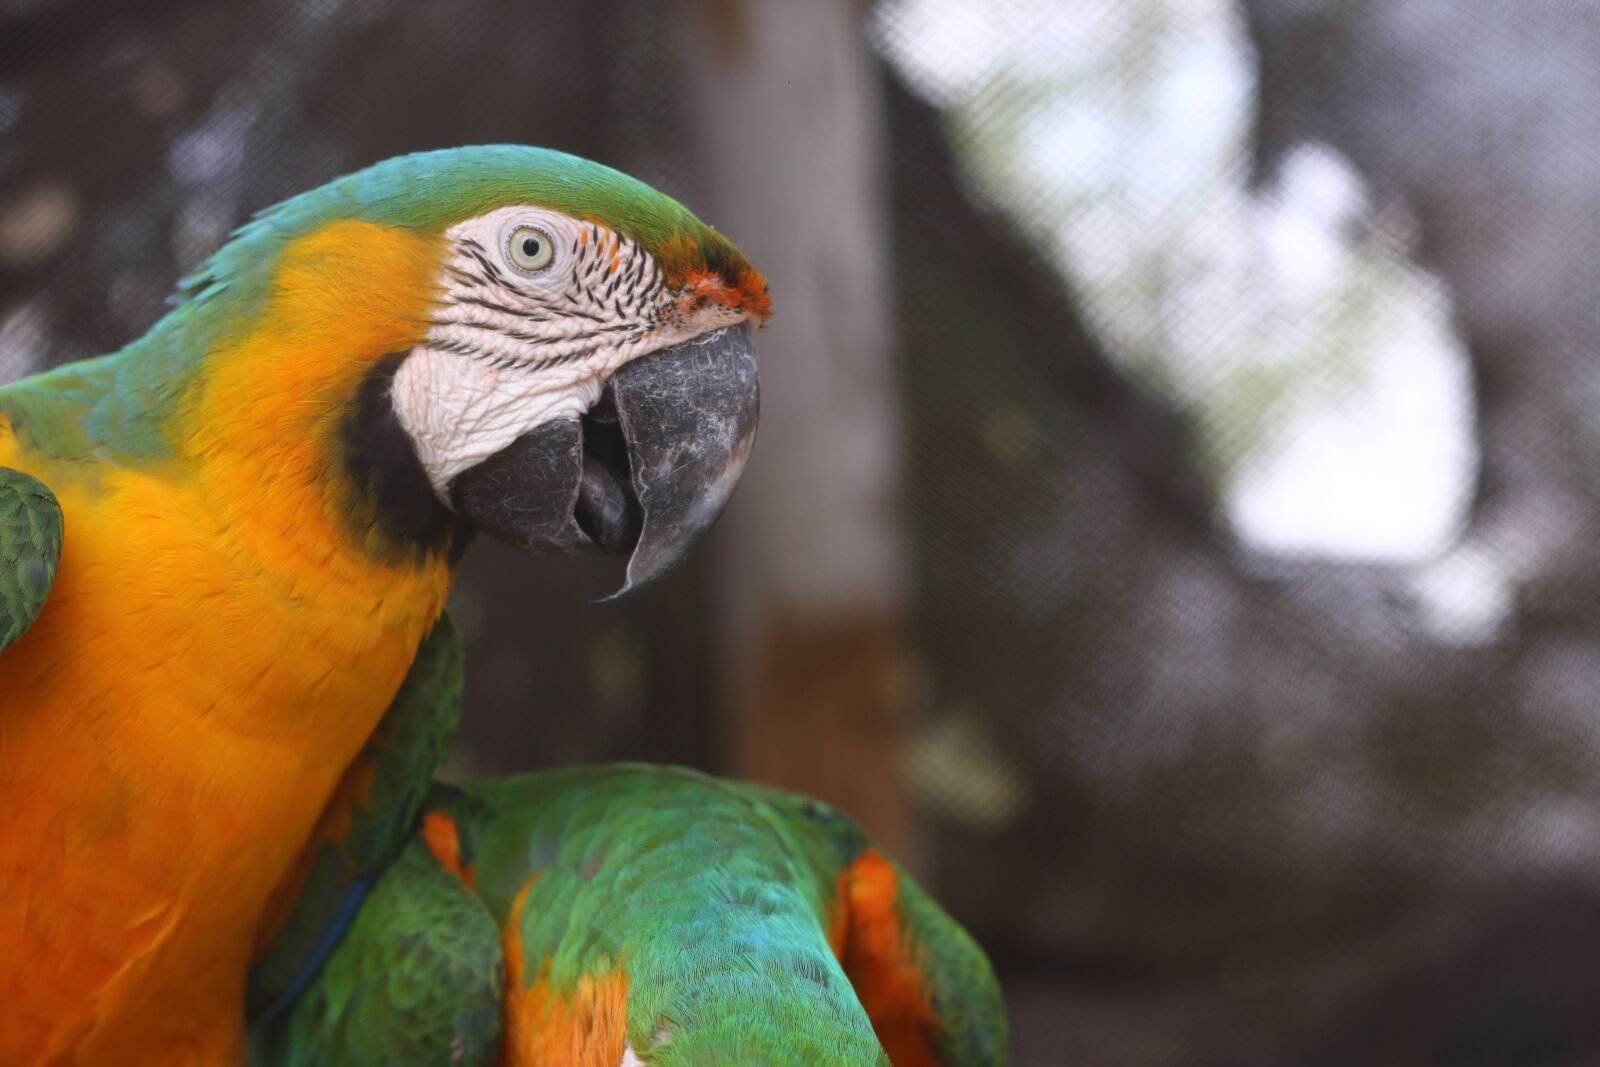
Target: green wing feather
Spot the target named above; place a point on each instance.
(416, 982)
(30, 547)
(955, 972)
(695, 886)
(713, 896)
(410, 743)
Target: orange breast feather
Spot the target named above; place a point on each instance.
(219, 644)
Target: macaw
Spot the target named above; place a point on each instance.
(223, 548)
(629, 915)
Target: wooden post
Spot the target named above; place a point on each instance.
(787, 110)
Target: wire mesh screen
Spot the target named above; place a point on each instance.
(1237, 373)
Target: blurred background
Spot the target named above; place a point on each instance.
(1176, 519)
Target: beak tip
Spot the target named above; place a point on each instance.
(703, 401)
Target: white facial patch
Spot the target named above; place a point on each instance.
(511, 348)
(630, 1058)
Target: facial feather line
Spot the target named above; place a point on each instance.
(507, 352)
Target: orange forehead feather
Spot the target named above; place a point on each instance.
(746, 292)
(709, 269)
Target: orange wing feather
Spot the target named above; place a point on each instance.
(585, 1026)
(880, 959)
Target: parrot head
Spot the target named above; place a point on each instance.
(564, 360)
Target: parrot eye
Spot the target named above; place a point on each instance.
(530, 249)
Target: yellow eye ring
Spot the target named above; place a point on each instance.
(530, 249)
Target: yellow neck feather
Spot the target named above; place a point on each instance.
(269, 415)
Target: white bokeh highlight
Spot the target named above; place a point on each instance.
(1333, 399)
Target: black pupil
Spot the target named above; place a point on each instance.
(530, 246)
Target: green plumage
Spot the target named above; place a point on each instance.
(416, 981)
(693, 886)
(711, 896)
(30, 546)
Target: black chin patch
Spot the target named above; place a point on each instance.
(391, 484)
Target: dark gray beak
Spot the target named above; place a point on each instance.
(646, 472)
